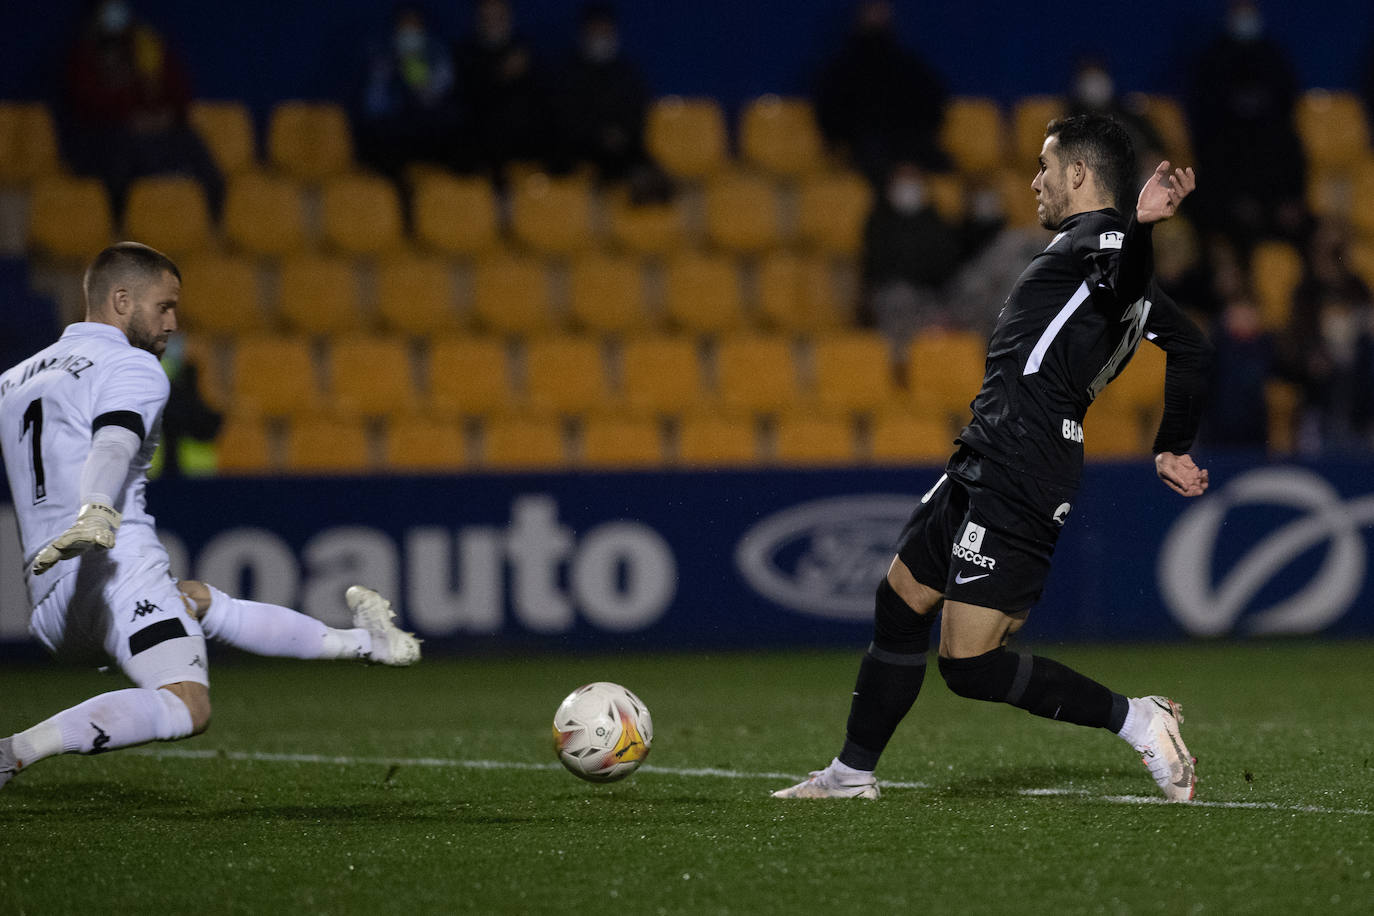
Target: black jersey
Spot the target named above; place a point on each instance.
(1071, 323)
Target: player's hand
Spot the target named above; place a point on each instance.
(1180, 474)
(95, 528)
(1162, 194)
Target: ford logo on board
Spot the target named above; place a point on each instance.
(825, 557)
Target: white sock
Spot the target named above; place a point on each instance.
(1134, 729)
(121, 718)
(848, 775)
(268, 629)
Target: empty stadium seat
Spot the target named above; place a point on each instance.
(523, 444)
(566, 374)
(1275, 271)
(455, 215)
(620, 442)
(274, 375)
(903, 436)
(832, 211)
(226, 127)
(702, 293)
(361, 214)
(606, 294)
(1333, 128)
(327, 445)
(715, 440)
(264, 214)
(423, 444)
(1029, 117)
(69, 217)
(798, 293)
(972, 134)
(243, 446)
(807, 439)
(853, 371)
(649, 228)
(552, 215)
(780, 136)
(310, 140)
(28, 143)
(687, 136)
(318, 294)
(662, 375)
(757, 373)
(371, 376)
(469, 376)
(169, 213)
(945, 371)
(742, 213)
(510, 295)
(1112, 432)
(1140, 386)
(220, 295)
(415, 294)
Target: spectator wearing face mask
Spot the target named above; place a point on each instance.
(506, 105)
(909, 252)
(1241, 111)
(408, 110)
(1094, 91)
(126, 98)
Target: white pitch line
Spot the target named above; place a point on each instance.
(449, 762)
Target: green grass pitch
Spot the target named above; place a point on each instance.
(335, 788)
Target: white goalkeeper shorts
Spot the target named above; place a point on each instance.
(129, 611)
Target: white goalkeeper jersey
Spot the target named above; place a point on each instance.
(51, 404)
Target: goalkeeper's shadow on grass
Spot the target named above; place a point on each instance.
(38, 798)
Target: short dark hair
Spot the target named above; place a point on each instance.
(1103, 145)
(120, 262)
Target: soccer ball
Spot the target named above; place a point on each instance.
(602, 732)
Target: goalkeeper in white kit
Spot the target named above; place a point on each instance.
(79, 423)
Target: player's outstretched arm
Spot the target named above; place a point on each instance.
(1162, 194)
(1181, 474)
(95, 527)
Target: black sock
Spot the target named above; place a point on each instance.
(1041, 686)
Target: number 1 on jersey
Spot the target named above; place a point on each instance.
(33, 419)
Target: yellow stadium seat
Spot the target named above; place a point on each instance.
(361, 214)
(606, 294)
(1029, 118)
(469, 376)
(645, 228)
(28, 143)
(742, 213)
(814, 440)
(264, 214)
(169, 213)
(1361, 261)
(510, 295)
(219, 295)
(319, 294)
(275, 376)
(662, 375)
(902, 436)
(1282, 401)
(423, 444)
(1166, 116)
(415, 294)
(1333, 128)
(832, 211)
(947, 195)
(1140, 386)
(310, 140)
(713, 440)
(853, 371)
(972, 134)
(1275, 271)
(566, 374)
(243, 446)
(798, 293)
(1112, 432)
(702, 293)
(211, 362)
(1361, 209)
(687, 136)
(69, 217)
(1018, 200)
(371, 376)
(780, 136)
(757, 373)
(227, 130)
(327, 445)
(523, 444)
(945, 371)
(456, 216)
(552, 215)
(620, 442)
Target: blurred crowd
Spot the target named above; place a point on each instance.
(486, 100)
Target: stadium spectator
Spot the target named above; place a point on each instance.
(877, 102)
(408, 111)
(909, 251)
(1241, 111)
(126, 100)
(506, 106)
(1094, 91)
(189, 425)
(601, 101)
(1237, 414)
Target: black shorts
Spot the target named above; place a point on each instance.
(984, 534)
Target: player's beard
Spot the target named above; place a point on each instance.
(1052, 206)
(148, 338)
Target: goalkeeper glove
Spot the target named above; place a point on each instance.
(95, 527)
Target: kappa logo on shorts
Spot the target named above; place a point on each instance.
(144, 608)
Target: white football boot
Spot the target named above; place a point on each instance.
(9, 764)
(390, 644)
(1164, 753)
(830, 783)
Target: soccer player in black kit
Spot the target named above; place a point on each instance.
(980, 540)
